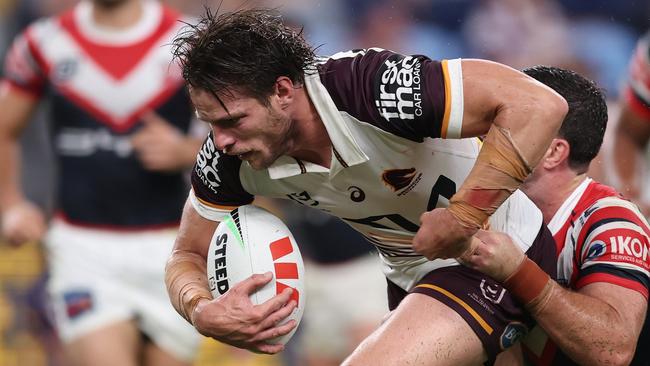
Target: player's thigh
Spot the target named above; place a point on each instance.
(114, 344)
(165, 329)
(421, 331)
(333, 325)
(156, 356)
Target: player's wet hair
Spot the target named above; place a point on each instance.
(244, 51)
(585, 123)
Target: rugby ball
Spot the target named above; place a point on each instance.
(252, 240)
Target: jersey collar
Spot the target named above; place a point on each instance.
(564, 211)
(152, 13)
(345, 150)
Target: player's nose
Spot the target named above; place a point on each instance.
(223, 140)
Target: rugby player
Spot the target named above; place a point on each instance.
(375, 138)
(594, 313)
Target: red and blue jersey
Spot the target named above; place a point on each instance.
(600, 237)
(98, 83)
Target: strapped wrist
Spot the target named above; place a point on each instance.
(188, 308)
(528, 283)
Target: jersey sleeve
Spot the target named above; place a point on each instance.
(613, 246)
(21, 69)
(637, 89)
(410, 96)
(216, 186)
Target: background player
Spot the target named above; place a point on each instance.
(632, 131)
(119, 116)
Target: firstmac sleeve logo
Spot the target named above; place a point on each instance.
(398, 92)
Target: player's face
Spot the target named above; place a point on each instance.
(254, 132)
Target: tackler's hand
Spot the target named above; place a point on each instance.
(441, 235)
(494, 254)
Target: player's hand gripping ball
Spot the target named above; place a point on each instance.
(252, 240)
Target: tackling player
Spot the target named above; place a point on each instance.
(602, 243)
(357, 135)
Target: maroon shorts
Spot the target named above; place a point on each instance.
(495, 316)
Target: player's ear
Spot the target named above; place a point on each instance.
(284, 90)
(557, 153)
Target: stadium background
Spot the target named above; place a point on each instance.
(594, 37)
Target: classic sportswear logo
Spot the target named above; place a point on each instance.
(398, 94)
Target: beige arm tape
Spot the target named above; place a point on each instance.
(499, 170)
(186, 282)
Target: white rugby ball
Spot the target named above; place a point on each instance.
(252, 240)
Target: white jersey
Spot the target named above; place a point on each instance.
(384, 113)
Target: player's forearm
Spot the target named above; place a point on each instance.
(518, 138)
(16, 109)
(185, 273)
(10, 192)
(186, 281)
(627, 157)
(587, 329)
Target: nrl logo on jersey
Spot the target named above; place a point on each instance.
(398, 94)
(401, 179)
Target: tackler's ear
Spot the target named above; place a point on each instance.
(557, 153)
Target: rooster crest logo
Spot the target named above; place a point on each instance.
(398, 179)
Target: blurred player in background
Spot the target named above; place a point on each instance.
(353, 135)
(120, 117)
(602, 242)
(633, 129)
(630, 150)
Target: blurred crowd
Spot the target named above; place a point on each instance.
(595, 38)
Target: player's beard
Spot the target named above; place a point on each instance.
(276, 141)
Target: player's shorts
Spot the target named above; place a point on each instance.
(495, 316)
(100, 277)
(340, 298)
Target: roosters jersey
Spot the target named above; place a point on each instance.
(637, 88)
(600, 237)
(384, 113)
(98, 82)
